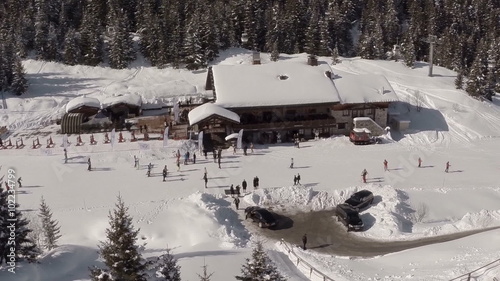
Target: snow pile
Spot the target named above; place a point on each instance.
(230, 229)
(470, 221)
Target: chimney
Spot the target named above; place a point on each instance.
(312, 60)
(256, 58)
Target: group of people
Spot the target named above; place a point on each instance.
(364, 173)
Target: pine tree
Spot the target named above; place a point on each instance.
(19, 84)
(477, 85)
(205, 276)
(25, 249)
(119, 251)
(121, 50)
(50, 228)
(260, 267)
(71, 51)
(91, 32)
(167, 268)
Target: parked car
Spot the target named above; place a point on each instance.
(360, 199)
(260, 215)
(349, 217)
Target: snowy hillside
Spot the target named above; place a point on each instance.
(202, 226)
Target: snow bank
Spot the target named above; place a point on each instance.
(230, 230)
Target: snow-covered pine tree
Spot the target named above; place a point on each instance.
(260, 267)
(121, 48)
(71, 49)
(477, 85)
(91, 33)
(206, 276)
(25, 249)
(167, 268)
(51, 230)
(119, 251)
(41, 28)
(19, 84)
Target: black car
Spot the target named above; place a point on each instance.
(260, 215)
(349, 217)
(360, 199)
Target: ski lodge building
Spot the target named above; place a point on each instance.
(273, 102)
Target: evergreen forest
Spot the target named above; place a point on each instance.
(190, 33)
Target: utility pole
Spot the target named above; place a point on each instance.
(432, 39)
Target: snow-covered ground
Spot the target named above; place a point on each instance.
(201, 226)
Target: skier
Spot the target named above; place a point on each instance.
(251, 147)
(186, 157)
(205, 178)
(363, 175)
(231, 190)
(304, 241)
(234, 149)
(218, 161)
(245, 148)
(291, 163)
(178, 164)
(65, 156)
(149, 170)
(385, 165)
(244, 185)
(194, 157)
(136, 162)
(90, 165)
(165, 172)
(298, 178)
(237, 202)
(419, 162)
(215, 156)
(447, 166)
(205, 153)
(256, 182)
(19, 182)
(294, 180)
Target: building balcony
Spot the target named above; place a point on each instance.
(288, 125)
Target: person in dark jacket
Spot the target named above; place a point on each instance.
(194, 157)
(294, 180)
(205, 178)
(298, 178)
(304, 241)
(255, 182)
(231, 190)
(164, 172)
(244, 185)
(215, 156)
(90, 165)
(237, 203)
(238, 190)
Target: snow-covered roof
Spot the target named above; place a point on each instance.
(364, 88)
(274, 83)
(362, 130)
(131, 99)
(208, 109)
(82, 101)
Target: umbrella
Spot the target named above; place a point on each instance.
(232, 136)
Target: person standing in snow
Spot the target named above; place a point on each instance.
(294, 180)
(19, 182)
(298, 178)
(178, 164)
(205, 178)
(215, 156)
(447, 167)
(291, 163)
(148, 173)
(231, 190)
(304, 241)
(165, 172)
(244, 185)
(238, 190)
(89, 168)
(237, 203)
(419, 162)
(136, 162)
(385, 165)
(218, 161)
(65, 156)
(256, 182)
(194, 157)
(363, 175)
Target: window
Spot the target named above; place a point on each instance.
(341, 126)
(345, 112)
(370, 111)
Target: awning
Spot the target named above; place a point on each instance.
(232, 136)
